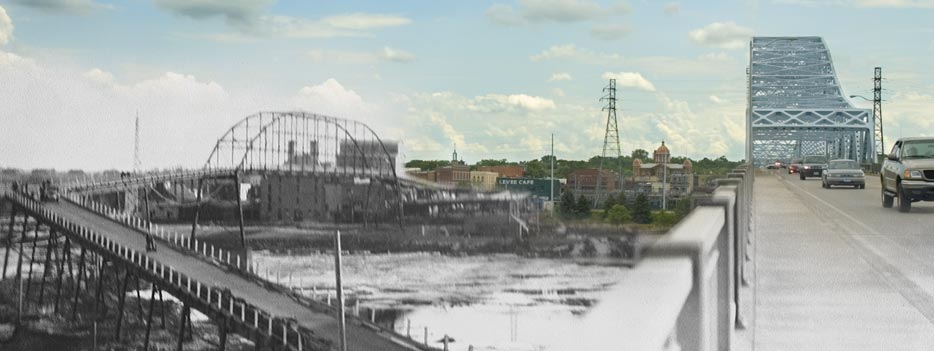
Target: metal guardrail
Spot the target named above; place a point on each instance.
(708, 248)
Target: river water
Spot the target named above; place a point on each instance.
(487, 302)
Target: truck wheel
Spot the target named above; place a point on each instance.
(887, 199)
(801, 176)
(904, 201)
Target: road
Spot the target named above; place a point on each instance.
(834, 270)
(323, 325)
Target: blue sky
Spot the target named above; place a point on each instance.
(496, 78)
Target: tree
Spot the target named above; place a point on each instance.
(618, 214)
(621, 199)
(683, 207)
(582, 209)
(640, 154)
(608, 204)
(641, 211)
(665, 218)
(566, 206)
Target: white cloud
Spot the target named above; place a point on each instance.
(896, 3)
(360, 57)
(630, 79)
(560, 10)
(238, 13)
(569, 52)
(6, 27)
(559, 76)
(99, 76)
(557, 92)
(610, 32)
(397, 55)
(861, 3)
(89, 115)
(542, 11)
(250, 20)
(504, 15)
(64, 6)
(363, 21)
(727, 35)
(672, 8)
(716, 99)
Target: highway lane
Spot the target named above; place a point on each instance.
(359, 338)
(837, 271)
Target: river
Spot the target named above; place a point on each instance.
(487, 302)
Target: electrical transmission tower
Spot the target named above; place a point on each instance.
(877, 113)
(610, 139)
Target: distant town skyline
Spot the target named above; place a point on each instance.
(495, 78)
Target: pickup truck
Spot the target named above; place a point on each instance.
(908, 173)
(812, 166)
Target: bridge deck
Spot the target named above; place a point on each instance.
(323, 325)
(833, 270)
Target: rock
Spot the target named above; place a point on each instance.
(6, 332)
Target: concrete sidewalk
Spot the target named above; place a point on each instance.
(815, 286)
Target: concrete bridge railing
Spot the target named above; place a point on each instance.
(684, 294)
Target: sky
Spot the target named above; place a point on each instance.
(494, 79)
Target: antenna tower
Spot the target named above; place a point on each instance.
(136, 161)
(610, 139)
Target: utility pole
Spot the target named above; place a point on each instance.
(136, 160)
(877, 113)
(552, 197)
(611, 137)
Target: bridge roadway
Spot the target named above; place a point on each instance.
(834, 270)
(323, 325)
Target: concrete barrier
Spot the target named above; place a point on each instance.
(713, 238)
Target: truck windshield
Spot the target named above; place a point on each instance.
(918, 149)
(815, 159)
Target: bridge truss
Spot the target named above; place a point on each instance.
(797, 106)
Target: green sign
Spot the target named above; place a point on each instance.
(537, 187)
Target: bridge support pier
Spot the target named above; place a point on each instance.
(194, 223)
(32, 258)
(99, 294)
(183, 320)
(152, 305)
(49, 247)
(19, 261)
(121, 296)
(9, 240)
(61, 273)
(222, 338)
(74, 305)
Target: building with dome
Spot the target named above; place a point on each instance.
(654, 178)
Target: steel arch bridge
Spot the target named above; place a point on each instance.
(797, 107)
(293, 147)
(303, 142)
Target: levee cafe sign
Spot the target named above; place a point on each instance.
(515, 181)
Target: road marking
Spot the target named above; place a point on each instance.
(920, 299)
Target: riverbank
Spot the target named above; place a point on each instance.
(556, 241)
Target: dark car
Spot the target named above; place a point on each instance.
(811, 166)
(843, 172)
(908, 173)
(793, 165)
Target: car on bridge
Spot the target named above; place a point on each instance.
(794, 165)
(812, 166)
(908, 173)
(843, 172)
